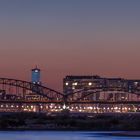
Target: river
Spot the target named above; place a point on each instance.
(61, 135)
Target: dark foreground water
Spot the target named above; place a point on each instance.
(62, 135)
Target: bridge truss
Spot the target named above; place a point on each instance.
(18, 95)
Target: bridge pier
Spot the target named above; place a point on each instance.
(20, 107)
(38, 108)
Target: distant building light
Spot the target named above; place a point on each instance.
(36, 71)
(136, 83)
(73, 87)
(67, 83)
(91, 107)
(64, 106)
(75, 84)
(32, 106)
(89, 83)
(115, 108)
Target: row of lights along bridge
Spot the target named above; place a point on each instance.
(93, 94)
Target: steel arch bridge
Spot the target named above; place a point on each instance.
(7, 85)
(20, 94)
(82, 94)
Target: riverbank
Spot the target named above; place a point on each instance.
(96, 122)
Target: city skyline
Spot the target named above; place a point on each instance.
(77, 37)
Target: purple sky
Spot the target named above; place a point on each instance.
(69, 37)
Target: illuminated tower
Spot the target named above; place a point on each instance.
(36, 75)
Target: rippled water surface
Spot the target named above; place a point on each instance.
(62, 135)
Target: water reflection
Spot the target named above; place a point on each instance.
(62, 135)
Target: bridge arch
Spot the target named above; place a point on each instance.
(81, 94)
(38, 89)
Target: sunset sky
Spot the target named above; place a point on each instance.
(69, 37)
